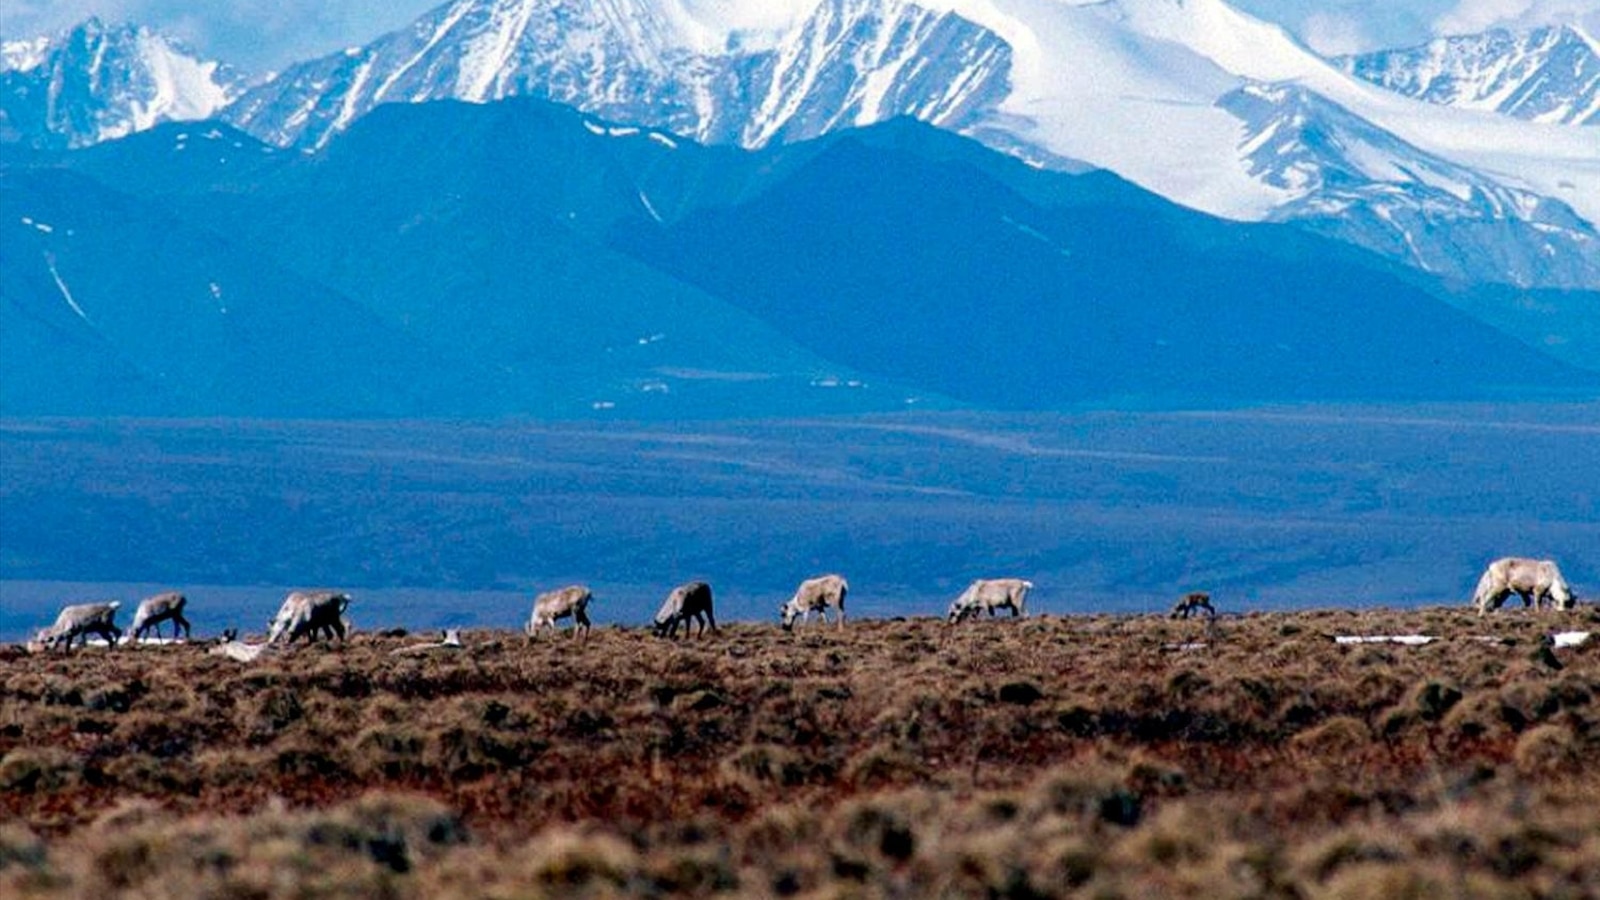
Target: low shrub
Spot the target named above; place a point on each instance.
(1337, 738)
(1549, 750)
(39, 770)
(20, 847)
(885, 759)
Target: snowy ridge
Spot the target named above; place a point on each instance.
(854, 64)
(712, 71)
(94, 83)
(1181, 97)
(1148, 75)
(1551, 75)
(1154, 76)
(1353, 180)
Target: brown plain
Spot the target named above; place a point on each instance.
(1106, 756)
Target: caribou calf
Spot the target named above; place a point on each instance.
(687, 602)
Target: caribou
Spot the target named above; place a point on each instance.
(306, 613)
(687, 602)
(1534, 580)
(816, 594)
(80, 620)
(1193, 603)
(571, 602)
(152, 611)
(988, 595)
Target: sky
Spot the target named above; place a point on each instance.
(259, 36)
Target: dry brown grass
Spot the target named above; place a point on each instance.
(1033, 758)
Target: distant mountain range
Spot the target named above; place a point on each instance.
(642, 208)
(544, 262)
(1188, 98)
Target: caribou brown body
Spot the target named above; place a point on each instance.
(686, 602)
(571, 602)
(80, 620)
(152, 611)
(988, 595)
(816, 594)
(1534, 580)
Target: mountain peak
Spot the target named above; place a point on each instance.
(1147, 89)
(714, 71)
(1549, 75)
(94, 82)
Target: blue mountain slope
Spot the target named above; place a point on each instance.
(110, 305)
(566, 265)
(931, 270)
(484, 245)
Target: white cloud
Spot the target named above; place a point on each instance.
(1473, 16)
(1332, 34)
(254, 33)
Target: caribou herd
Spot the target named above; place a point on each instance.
(321, 613)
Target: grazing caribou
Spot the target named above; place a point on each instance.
(687, 602)
(153, 611)
(1193, 603)
(305, 613)
(816, 594)
(80, 620)
(988, 595)
(1534, 580)
(571, 601)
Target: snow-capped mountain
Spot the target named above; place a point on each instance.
(1138, 87)
(94, 83)
(1177, 96)
(1546, 75)
(1364, 184)
(696, 69)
